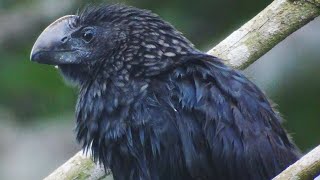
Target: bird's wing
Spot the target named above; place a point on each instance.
(242, 131)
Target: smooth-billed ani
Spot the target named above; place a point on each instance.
(151, 106)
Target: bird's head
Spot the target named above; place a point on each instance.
(110, 41)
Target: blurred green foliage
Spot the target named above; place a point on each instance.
(298, 100)
(31, 91)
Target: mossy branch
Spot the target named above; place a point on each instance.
(79, 167)
(308, 167)
(264, 31)
(240, 49)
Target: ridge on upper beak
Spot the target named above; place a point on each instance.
(50, 47)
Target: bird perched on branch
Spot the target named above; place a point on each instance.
(152, 106)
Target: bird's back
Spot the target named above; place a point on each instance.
(203, 120)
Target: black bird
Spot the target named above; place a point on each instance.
(151, 106)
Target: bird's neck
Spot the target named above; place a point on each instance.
(122, 92)
(101, 103)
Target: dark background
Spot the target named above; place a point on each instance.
(36, 107)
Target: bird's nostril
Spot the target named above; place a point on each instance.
(64, 39)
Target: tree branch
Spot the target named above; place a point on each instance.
(308, 167)
(264, 31)
(240, 49)
(80, 166)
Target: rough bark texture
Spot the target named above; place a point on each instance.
(79, 167)
(308, 167)
(240, 49)
(264, 31)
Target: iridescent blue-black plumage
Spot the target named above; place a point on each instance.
(151, 106)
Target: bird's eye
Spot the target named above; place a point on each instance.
(87, 35)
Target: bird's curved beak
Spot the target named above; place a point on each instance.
(50, 47)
